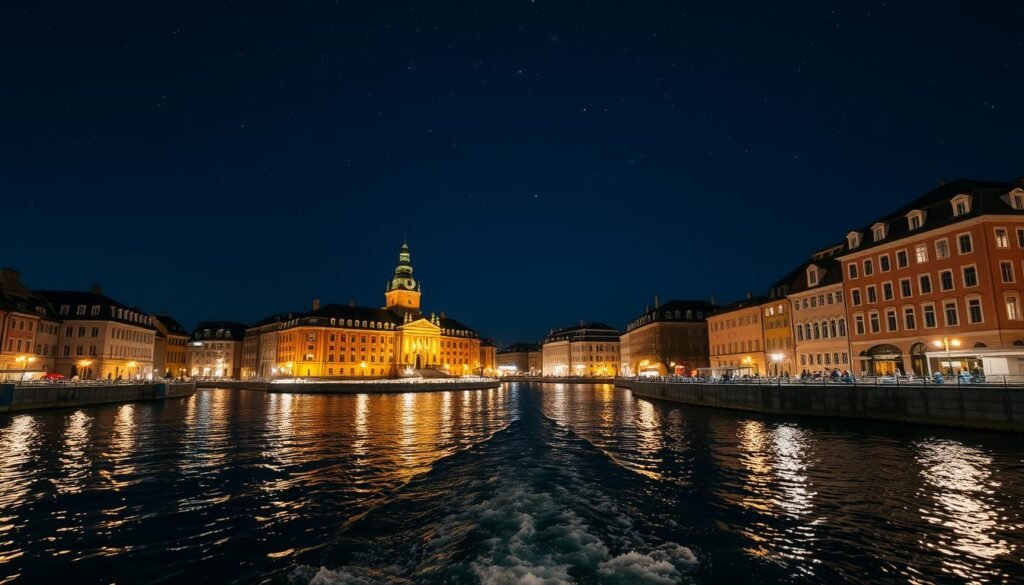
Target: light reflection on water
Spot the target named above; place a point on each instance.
(234, 485)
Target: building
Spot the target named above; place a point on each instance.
(590, 350)
(488, 358)
(29, 329)
(170, 358)
(215, 350)
(366, 342)
(520, 359)
(100, 337)
(937, 284)
(736, 337)
(819, 315)
(671, 339)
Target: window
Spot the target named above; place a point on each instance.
(974, 311)
(883, 263)
(1012, 308)
(902, 260)
(890, 320)
(921, 253)
(961, 205)
(966, 245)
(887, 293)
(905, 290)
(925, 282)
(914, 221)
(909, 321)
(872, 294)
(855, 297)
(812, 277)
(1020, 237)
(876, 326)
(941, 249)
(842, 328)
(853, 239)
(946, 280)
(878, 232)
(970, 276)
(952, 317)
(80, 310)
(1017, 199)
(869, 267)
(1002, 238)
(1006, 271)
(858, 324)
(929, 316)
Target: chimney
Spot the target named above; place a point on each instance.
(9, 278)
(749, 296)
(316, 304)
(97, 289)
(351, 302)
(656, 303)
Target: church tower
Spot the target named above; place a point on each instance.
(403, 291)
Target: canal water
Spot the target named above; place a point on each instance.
(530, 483)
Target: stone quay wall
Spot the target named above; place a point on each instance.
(16, 398)
(995, 407)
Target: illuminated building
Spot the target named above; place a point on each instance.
(28, 329)
(259, 348)
(818, 315)
(671, 339)
(100, 337)
(215, 350)
(364, 342)
(946, 267)
(520, 359)
(590, 350)
(736, 337)
(488, 358)
(170, 357)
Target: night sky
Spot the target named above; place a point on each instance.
(550, 161)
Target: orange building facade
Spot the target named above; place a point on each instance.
(347, 341)
(938, 284)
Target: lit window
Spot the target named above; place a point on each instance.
(1017, 199)
(941, 249)
(1012, 309)
(921, 253)
(1002, 238)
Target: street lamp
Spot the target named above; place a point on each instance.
(24, 361)
(82, 364)
(948, 342)
(776, 358)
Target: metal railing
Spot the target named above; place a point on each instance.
(967, 380)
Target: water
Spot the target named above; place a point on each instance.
(538, 484)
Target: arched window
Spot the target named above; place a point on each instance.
(799, 332)
(333, 321)
(817, 331)
(807, 331)
(372, 326)
(832, 327)
(842, 328)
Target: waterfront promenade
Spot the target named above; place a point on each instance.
(301, 386)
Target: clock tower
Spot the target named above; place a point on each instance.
(403, 291)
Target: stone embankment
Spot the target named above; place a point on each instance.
(975, 406)
(360, 387)
(15, 398)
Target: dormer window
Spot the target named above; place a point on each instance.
(1017, 198)
(961, 205)
(915, 219)
(853, 239)
(878, 231)
(812, 276)
(80, 310)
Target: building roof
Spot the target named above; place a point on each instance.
(673, 311)
(521, 347)
(341, 314)
(587, 332)
(226, 330)
(742, 304)
(171, 325)
(15, 296)
(456, 328)
(106, 309)
(987, 198)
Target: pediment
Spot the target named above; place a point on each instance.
(420, 325)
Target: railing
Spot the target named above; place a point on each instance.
(923, 381)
